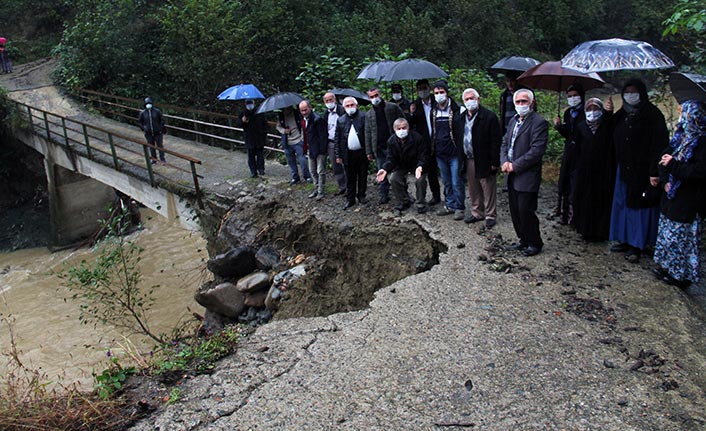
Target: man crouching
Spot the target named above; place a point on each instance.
(407, 153)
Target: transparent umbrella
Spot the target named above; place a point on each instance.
(615, 54)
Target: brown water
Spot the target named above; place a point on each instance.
(46, 327)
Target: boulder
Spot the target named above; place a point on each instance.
(272, 298)
(256, 299)
(235, 263)
(254, 282)
(214, 322)
(223, 299)
(266, 258)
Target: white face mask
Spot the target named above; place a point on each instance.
(440, 98)
(423, 94)
(573, 101)
(471, 105)
(631, 98)
(397, 96)
(351, 111)
(522, 110)
(249, 106)
(148, 106)
(375, 101)
(592, 116)
(402, 133)
(330, 105)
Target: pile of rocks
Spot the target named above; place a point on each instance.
(247, 288)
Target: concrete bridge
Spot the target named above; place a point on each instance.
(88, 156)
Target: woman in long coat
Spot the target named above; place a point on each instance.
(639, 135)
(683, 179)
(595, 173)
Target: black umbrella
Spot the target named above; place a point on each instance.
(376, 70)
(413, 68)
(514, 63)
(361, 97)
(687, 86)
(279, 101)
(615, 54)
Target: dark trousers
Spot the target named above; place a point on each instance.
(356, 175)
(433, 178)
(256, 160)
(157, 141)
(523, 207)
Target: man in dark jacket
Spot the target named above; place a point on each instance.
(351, 151)
(153, 125)
(447, 157)
(420, 122)
(521, 155)
(406, 153)
(399, 99)
(378, 129)
(331, 115)
(255, 128)
(477, 135)
(314, 136)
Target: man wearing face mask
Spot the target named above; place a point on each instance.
(573, 116)
(420, 122)
(477, 134)
(351, 151)
(400, 100)
(407, 153)
(639, 134)
(378, 129)
(444, 146)
(153, 125)
(333, 112)
(255, 129)
(521, 155)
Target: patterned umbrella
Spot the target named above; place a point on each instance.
(241, 92)
(687, 86)
(615, 54)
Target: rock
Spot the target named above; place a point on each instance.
(272, 298)
(345, 227)
(214, 322)
(248, 316)
(254, 282)
(224, 299)
(256, 299)
(264, 316)
(235, 263)
(266, 258)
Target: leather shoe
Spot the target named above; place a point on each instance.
(341, 192)
(434, 201)
(532, 251)
(471, 219)
(682, 284)
(348, 205)
(363, 201)
(490, 223)
(620, 247)
(421, 209)
(516, 247)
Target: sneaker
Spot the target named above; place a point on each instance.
(444, 211)
(490, 223)
(308, 180)
(319, 196)
(313, 194)
(458, 215)
(471, 219)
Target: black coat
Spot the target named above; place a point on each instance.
(255, 129)
(407, 156)
(638, 140)
(486, 140)
(316, 135)
(343, 128)
(152, 121)
(530, 146)
(690, 197)
(418, 121)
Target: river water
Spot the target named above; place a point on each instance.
(44, 318)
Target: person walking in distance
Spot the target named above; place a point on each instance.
(153, 125)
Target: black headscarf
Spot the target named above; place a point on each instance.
(641, 88)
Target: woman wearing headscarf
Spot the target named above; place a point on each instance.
(639, 135)
(595, 172)
(682, 177)
(573, 116)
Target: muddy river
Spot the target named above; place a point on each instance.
(44, 318)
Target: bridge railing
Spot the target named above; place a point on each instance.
(211, 128)
(123, 153)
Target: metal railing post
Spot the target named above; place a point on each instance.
(46, 124)
(112, 150)
(149, 165)
(196, 184)
(88, 143)
(31, 120)
(66, 134)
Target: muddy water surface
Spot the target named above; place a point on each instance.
(45, 318)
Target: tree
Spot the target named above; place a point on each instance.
(687, 24)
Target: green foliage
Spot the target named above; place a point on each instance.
(687, 25)
(174, 395)
(112, 379)
(327, 72)
(109, 289)
(198, 355)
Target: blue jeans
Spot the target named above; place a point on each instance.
(454, 187)
(295, 153)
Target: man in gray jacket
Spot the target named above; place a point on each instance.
(378, 129)
(521, 155)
